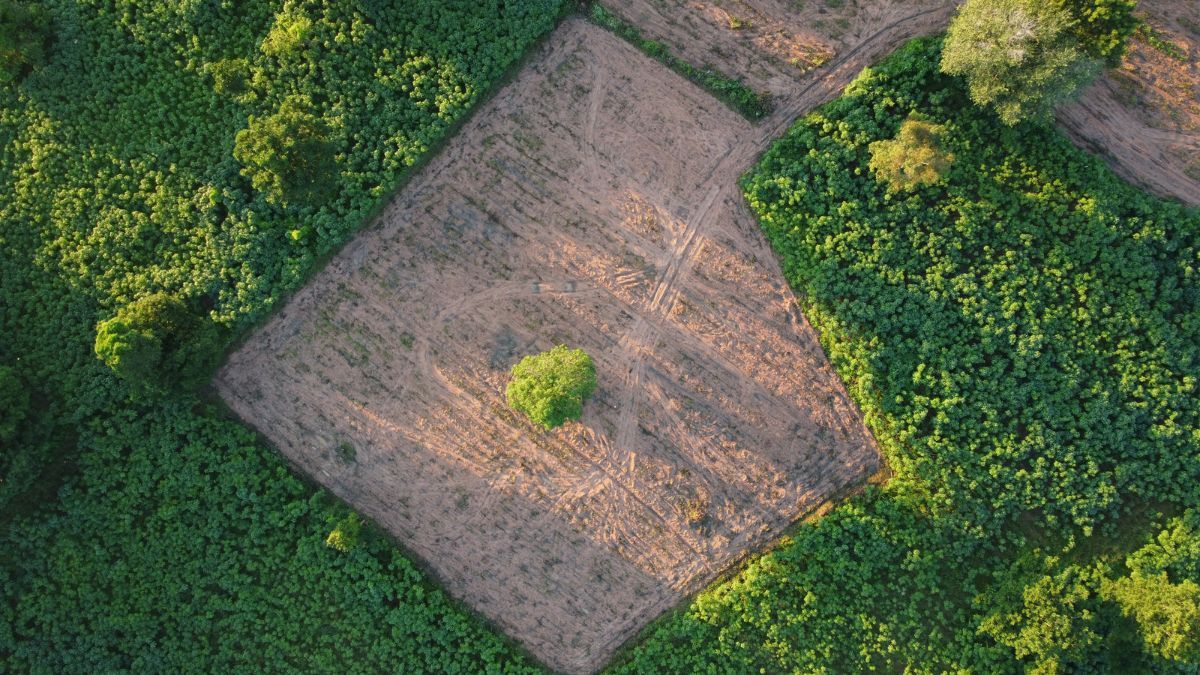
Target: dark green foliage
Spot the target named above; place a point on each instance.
(287, 155)
(1023, 339)
(1025, 336)
(160, 342)
(551, 387)
(185, 546)
(179, 543)
(729, 91)
(14, 403)
(1103, 27)
(24, 30)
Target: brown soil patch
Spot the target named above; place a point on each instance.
(1144, 117)
(592, 202)
(769, 44)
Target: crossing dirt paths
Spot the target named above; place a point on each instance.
(592, 202)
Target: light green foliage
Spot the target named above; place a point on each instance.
(287, 155)
(1174, 551)
(550, 387)
(1167, 614)
(1043, 614)
(14, 403)
(913, 158)
(180, 543)
(24, 28)
(1019, 57)
(289, 32)
(1024, 343)
(345, 535)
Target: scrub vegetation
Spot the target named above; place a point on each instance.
(171, 171)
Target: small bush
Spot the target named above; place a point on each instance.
(550, 387)
(289, 33)
(231, 77)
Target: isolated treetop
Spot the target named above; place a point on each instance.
(551, 387)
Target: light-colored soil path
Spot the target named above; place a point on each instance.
(1144, 117)
(592, 202)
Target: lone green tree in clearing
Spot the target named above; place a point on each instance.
(287, 155)
(913, 158)
(550, 387)
(23, 32)
(1020, 57)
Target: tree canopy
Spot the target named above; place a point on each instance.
(287, 155)
(550, 387)
(914, 157)
(158, 340)
(1020, 57)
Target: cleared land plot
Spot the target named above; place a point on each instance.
(593, 202)
(769, 44)
(1144, 117)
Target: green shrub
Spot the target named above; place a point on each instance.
(551, 387)
(345, 535)
(1103, 27)
(1167, 614)
(231, 77)
(289, 32)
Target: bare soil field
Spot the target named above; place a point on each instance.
(769, 44)
(592, 202)
(1144, 117)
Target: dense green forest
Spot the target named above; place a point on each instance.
(173, 170)
(1022, 332)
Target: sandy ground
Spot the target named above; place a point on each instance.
(769, 44)
(1144, 117)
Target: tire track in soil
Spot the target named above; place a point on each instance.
(720, 178)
